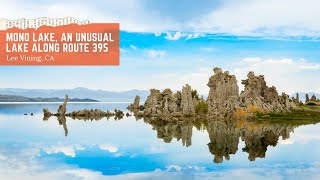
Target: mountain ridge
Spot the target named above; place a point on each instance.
(14, 98)
(79, 92)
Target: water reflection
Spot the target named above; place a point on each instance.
(169, 130)
(224, 135)
(258, 137)
(148, 145)
(224, 138)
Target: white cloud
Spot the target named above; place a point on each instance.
(108, 147)
(157, 34)
(288, 75)
(248, 17)
(155, 53)
(178, 35)
(272, 18)
(3, 157)
(133, 47)
(174, 168)
(175, 36)
(195, 35)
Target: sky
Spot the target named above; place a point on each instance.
(171, 43)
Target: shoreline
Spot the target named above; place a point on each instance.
(68, 102)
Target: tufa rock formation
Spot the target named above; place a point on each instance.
(187, 103)
(223, 98)
(85, 114)
(135, 104)
(167, 103)
(262, 98)
(307, 98)
(313, 98)
(63, 108)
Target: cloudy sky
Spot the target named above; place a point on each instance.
(170, 43)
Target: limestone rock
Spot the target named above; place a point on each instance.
(135, 104)
(187, 103)
(47, 113)
(167, 103)
(262, 98)
(63, 108)
(223, 98)
(313, 98)
(152, 103)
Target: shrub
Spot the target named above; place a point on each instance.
(201, 107)
(312, 104)
(253, 109)
(195, 94)
(241, 114)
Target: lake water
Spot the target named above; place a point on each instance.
(33, 148)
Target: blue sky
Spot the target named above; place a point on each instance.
(171, 43)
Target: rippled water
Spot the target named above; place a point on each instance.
(33, 148)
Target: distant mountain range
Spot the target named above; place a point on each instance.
(302, 95)
(13, 98)
(79, 94)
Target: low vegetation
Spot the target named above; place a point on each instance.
(194, 94)
(241, 114)
(201, 107)
(308, 114)
(251, 109)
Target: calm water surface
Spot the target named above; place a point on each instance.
(33, 148)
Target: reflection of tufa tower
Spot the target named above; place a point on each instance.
(169, 131)
(224, 139)
(257, 138)
(36, 23)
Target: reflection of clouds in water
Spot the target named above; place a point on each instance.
(3, 157)
(68, 150)
(306, 134)
(23, 163)
(109, 147)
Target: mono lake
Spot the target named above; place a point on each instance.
(131, 148)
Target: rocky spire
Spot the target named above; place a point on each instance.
(262, 98)
(223, 98)
(63, 108)
(135, 104)
(307, 98)
(297, 98)
(152, 105)
(187, 104)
